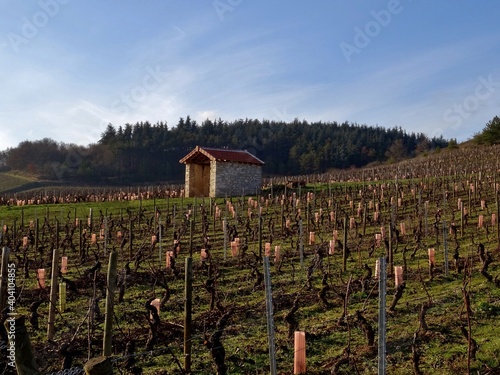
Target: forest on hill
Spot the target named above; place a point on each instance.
(145, 152)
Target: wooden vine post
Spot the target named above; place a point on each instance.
(390, 255)
(301, 243)
(308, 207)
(188, 293)
(74, 216)
(214, 216)
(140, 212)
(57, 233)
(364, 219)
(106, 234)
(426, 221)
(260, 234)
(269, 316)
(344, 253)
(110, 294)
(191, 229)
(470, 205)
(282, 219)
(80, 239)
(130, 236)
(461, 219)
(37, 224)
(224, 229)
(14, 231)
(382, 277)
(498, 216)
(445, 244)
(174, 214)
(194, 210)
(53, 294)
(3, 278)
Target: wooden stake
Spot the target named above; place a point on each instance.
(382, 318)
(364, 219)
(390, 255)
(188, 293)
(36, 233)
(269, 316)
(311, 238)
(110, 294)
(224, 229)
(3, 278)
(130, 252)
(191, 230)
(260, 235)
(57, 233)
(80, 238)
(498, 217)
(461, 219)
(344, 254)
(53, 294)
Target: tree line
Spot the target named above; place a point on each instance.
(145, 152)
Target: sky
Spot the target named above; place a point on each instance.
(68, 68)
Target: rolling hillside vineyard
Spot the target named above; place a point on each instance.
(147, 281)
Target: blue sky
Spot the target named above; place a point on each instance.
(68, 67)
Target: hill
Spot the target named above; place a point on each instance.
(144, 152)
(11, 182)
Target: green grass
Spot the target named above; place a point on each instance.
(10, 181)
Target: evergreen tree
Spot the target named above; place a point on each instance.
(490, 134)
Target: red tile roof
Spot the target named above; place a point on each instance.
(203, 155)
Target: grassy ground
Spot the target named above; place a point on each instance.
(10, 181)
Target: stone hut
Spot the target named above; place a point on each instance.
(212, 172)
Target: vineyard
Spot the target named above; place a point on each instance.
(191, 274)
(10, 181)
